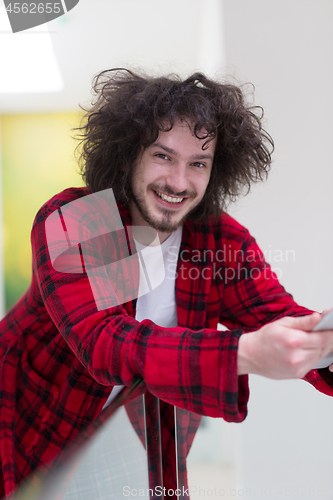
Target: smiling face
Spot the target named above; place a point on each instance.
(170, 178)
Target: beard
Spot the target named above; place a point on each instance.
(165, 224)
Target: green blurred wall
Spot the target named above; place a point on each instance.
(37, 162)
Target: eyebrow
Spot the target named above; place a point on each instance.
(171, 151)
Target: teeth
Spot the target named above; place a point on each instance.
(169, 198)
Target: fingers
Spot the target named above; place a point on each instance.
(290, 345)
(322, 340)
(325, 311)
(305, 323)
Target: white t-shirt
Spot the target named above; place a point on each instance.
(157, 295)
(159, 304)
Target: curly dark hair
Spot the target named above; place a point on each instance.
(129, 111)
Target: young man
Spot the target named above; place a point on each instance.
(172, 152)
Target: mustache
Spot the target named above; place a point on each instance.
(168, 190)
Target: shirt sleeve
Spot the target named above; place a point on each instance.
(253, 295)
(183, 367)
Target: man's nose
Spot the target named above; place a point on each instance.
(178, 179)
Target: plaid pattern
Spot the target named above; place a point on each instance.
(60, 356)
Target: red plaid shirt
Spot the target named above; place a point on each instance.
(60, 356)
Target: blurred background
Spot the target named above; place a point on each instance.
(285, 49)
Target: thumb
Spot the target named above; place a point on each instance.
(306, 323)
(325, 311)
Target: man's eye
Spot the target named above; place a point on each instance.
(198, 164)
(162, 156)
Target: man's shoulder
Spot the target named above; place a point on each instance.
(229, 224)
(59, 200)
(221, 239)
(222, 227)
(66, 196)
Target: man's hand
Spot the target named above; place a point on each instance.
(284, 349)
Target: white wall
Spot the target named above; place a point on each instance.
(285, 47)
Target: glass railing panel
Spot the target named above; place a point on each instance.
(107, 461)
(142, 447)
(115, 463)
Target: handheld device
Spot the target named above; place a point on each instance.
(326, 323)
